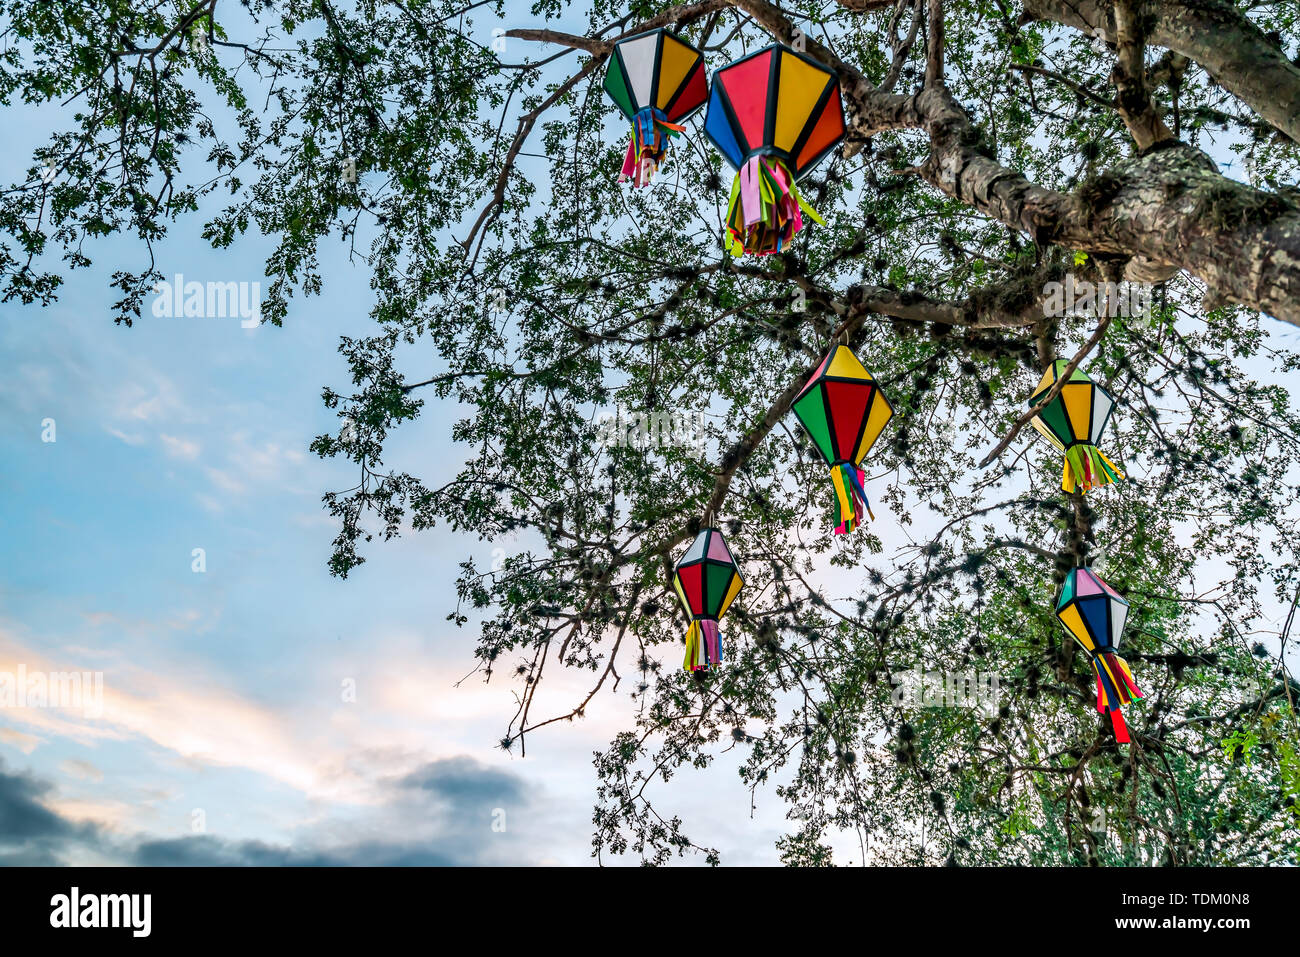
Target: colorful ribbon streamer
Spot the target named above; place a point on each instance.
(647, 146)
(703, 645)
(1115, 688)
(850, 497)
(1087, 466)
(766, 209)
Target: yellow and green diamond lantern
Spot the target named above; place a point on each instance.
(1073, 422)
(707, 580)
(773, 115)
(844, 411)
(657, 79)
(1095, 614)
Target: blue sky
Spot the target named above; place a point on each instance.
(223, 690)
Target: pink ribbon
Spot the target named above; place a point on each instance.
(750, 200)
(629, 164)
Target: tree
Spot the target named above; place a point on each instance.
(993, 149)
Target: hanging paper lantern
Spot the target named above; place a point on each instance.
(844, 411)
(1094, 613)
(1073, 422)
(707, 580)
(773, 114)
(657, 80)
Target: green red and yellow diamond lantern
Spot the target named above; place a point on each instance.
(773, 115)
(1073, 422)
(707, 581)
(657, 79)
(844, 411)
(1095, 615)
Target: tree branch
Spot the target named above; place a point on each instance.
(1077, 88)
(903, 48)
(1129, 76)
(1015, 304)
(1052, 393)
(1170, 207)
(593, 46)
(934, 44)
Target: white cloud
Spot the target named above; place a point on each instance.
(225, 481)
(180, 448)
(158, 400)
(188, 711)
(130, 438)
(26, 743)
(82, 770)
(264, 460)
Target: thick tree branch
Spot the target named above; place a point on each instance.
(591, 45)
(1015, 304)
(1171, 207)
(1129, 76)
(934, 43)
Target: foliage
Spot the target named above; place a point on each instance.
(574, 294)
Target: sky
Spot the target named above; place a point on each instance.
(256, 710)
(226, 689)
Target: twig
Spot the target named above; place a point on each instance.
(1078, 88)
(1052, 393)
(902, 48)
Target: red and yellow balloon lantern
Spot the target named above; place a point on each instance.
(707, 581)
(844, 412)
(773, 115)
